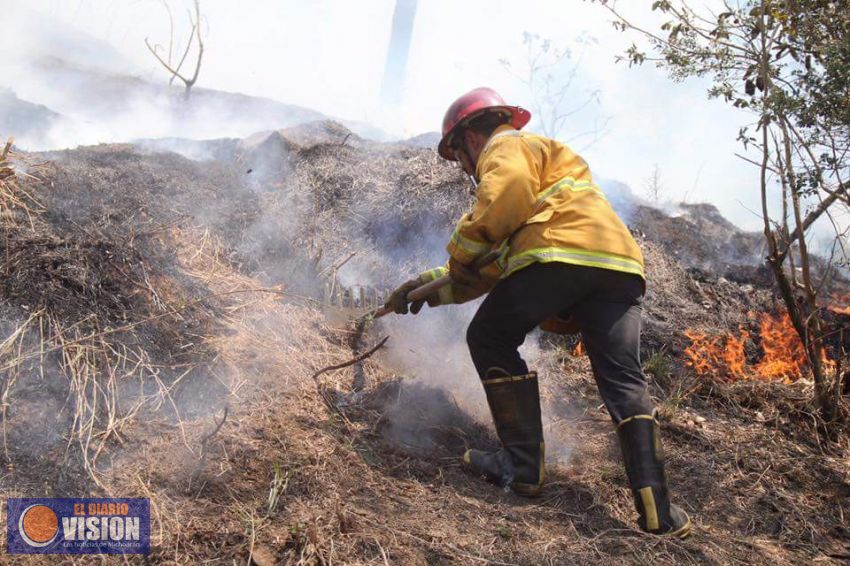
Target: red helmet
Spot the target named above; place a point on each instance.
(472, 104)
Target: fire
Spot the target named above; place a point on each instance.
(839, 301)
(784, 354)
(579, 349)
(724, 357)
(718, 356)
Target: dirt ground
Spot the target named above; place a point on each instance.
(758, 482)
(164, 322)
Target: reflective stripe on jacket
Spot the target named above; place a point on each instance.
(536, 199)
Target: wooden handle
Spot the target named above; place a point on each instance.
(381, 312)
(428, 288)
(432, 287)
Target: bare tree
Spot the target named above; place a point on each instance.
(549, 72)
(195, 35)
(654, 186)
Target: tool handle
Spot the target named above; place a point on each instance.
(428, 288)
(381, 312)
(432, 287)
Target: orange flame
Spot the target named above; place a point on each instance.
(837, 308)
(579, 349)
(723, 357)
(711, 356)
(784, 354)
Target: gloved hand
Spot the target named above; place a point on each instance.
(463, 274)
(398, 302)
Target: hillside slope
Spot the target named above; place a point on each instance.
(167, 321)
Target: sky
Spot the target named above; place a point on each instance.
(329, 55)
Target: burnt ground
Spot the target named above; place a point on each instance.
(177, 293)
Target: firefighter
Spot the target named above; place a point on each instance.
(567, 263)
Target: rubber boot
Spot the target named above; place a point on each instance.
(515, 405)
(640, 441)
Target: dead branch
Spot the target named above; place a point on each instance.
(337, 264)
(550, 85)
(7, 148)
(328, 401)
(353, 361)
(195, 33)
(214, 431)
(203, 458)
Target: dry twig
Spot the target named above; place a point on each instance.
(353, 361)
(203, 459)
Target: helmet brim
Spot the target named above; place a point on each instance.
(519, 118)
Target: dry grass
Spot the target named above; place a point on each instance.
(347, 491)
(185, 351)
(100, 315)
(13, 198)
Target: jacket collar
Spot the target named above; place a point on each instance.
(500, 132)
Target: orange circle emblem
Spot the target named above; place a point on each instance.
(39, 524)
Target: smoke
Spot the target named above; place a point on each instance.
(61, 88)
(620, 196)
(304, 207)
(202, 151)
(371, 204)
(429, 350)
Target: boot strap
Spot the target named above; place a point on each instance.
(508, 378)
(652, 417)
(650, 512)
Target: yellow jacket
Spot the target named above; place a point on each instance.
(536, 201)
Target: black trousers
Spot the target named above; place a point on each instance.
(605, 303)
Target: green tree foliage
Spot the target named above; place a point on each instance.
(786, 62)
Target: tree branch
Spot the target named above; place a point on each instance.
(353, 361)
(162, 62)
